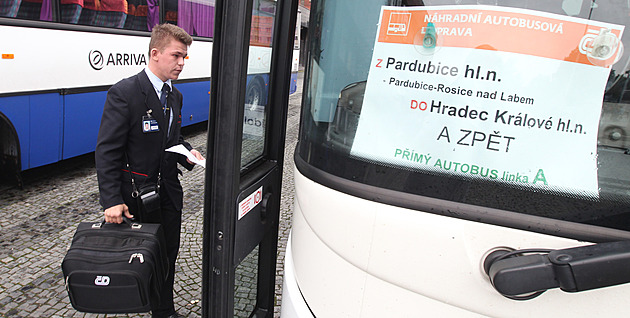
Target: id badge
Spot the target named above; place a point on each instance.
(149, 125)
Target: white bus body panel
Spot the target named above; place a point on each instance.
(293, 304)
(357, 258)
(52, 59)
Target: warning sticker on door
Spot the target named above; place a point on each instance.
(502, 94)
(250, 203)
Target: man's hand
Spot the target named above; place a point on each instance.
(197, 155)
(114, 214)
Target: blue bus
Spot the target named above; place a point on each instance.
(59, 58)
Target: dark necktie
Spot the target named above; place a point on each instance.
(165, 90)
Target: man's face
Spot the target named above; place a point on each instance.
(169, 63)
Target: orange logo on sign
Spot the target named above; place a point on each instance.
(398, 23)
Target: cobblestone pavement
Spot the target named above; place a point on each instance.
(38, 223)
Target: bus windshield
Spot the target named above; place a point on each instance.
(518, 106)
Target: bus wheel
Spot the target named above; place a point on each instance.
(254, 93)
(10, 167)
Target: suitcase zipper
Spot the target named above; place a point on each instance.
(148, 236)
(126, 249)
(162, 271)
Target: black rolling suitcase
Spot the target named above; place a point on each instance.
(115, 268)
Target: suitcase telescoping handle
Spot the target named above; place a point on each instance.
(132, 224)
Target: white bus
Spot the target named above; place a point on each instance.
(477, 165)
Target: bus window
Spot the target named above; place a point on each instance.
(107, 13)
(25, 9)
(196, 17)
(138, 16)
(104, 13)
(9, 8)
(71, 11)
(332, 122)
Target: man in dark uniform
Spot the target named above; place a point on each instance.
(141, 118)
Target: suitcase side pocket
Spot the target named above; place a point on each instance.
(91, 292)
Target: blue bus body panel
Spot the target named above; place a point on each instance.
(53, 127)
(46, 118)
(196, 102)
(38, 122)
(82, 119)
(17, 111)
(293, 88)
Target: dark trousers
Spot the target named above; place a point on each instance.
(171, 220)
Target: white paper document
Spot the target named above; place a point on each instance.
(180, 149)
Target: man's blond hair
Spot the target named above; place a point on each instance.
(163, 33)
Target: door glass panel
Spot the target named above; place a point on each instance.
(257, 91)
(245, 285)
(254, 135)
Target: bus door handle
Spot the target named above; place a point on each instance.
(266, 206)
(525, 274)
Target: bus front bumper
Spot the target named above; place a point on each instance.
(293, 303)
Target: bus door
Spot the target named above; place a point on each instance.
(253, 44)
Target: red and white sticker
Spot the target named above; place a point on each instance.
(249, 203)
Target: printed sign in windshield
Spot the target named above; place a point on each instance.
(501, 94)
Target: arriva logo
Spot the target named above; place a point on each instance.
(101, 280)
(98, 61)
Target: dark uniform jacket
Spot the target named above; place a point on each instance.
(121, 132)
